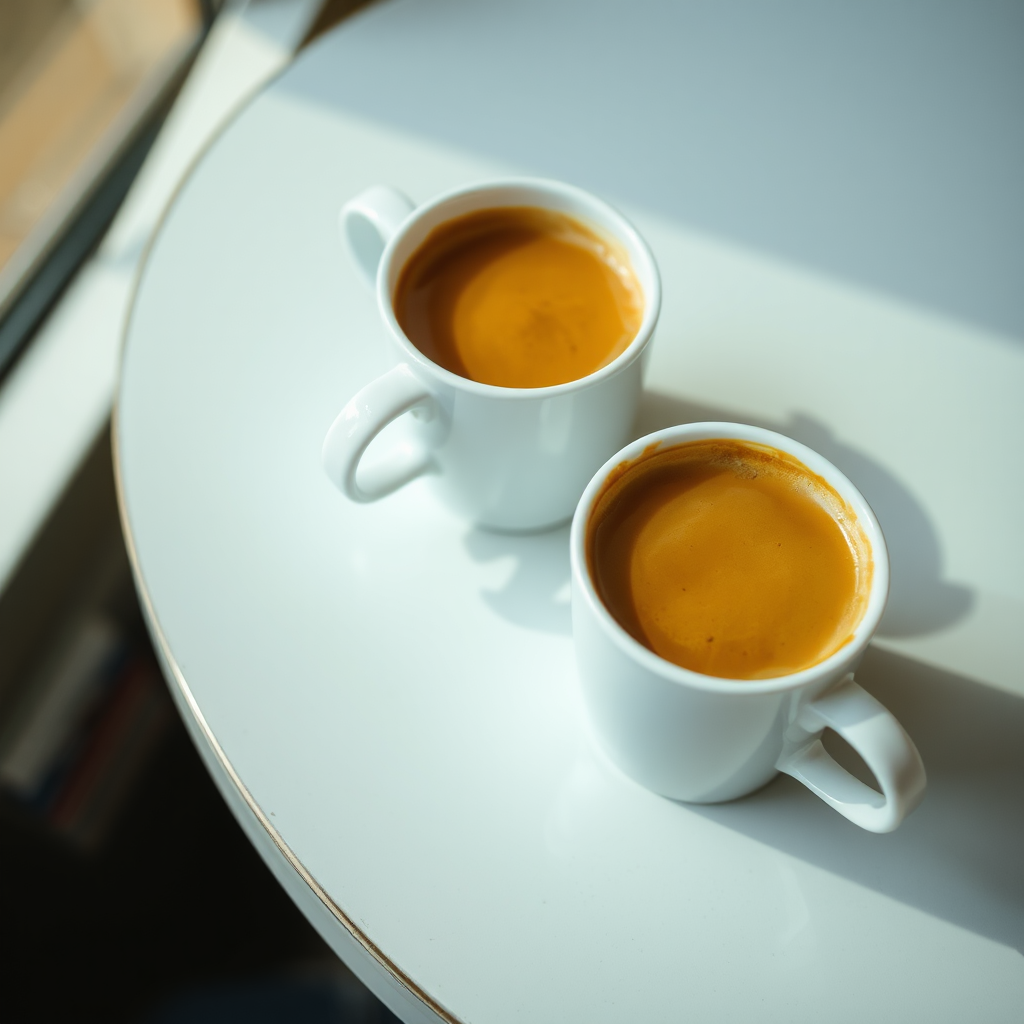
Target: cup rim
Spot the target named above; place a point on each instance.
(632, 648)
(625, 233)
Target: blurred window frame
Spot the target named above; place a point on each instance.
(35, 274)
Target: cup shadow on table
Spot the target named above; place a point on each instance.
(920, 600)
(536, 595)
(958, 856)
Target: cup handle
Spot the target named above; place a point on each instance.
(368, 223)
(362, 419)
(879, 739)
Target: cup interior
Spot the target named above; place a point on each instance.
(877, 591)
(539, 194)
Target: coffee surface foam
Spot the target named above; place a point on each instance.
(729, 558)
(518, 297)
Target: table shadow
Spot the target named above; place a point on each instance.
(959, 855)
(920, 600)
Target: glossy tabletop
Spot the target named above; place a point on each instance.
(387, 697)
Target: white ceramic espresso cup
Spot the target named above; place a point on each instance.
(508, 458)
(704, 739)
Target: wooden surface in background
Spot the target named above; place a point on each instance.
(67, 72)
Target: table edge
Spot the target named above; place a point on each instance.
(178, 681)
(175, 678)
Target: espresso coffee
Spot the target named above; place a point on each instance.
(729, 558)
(519, 297)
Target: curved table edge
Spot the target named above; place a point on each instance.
(279, 857)
(370, 964)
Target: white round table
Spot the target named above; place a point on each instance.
(387, 697)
